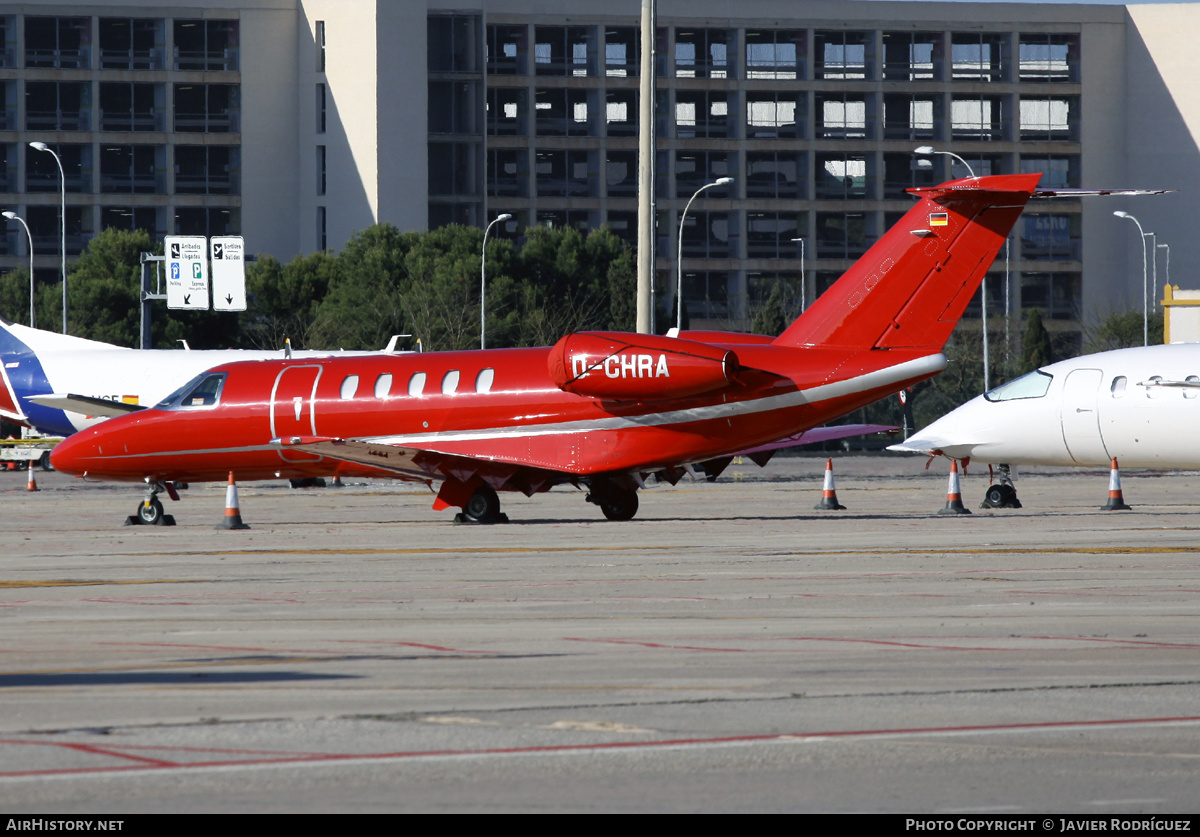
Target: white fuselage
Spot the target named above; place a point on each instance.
(1141, 406)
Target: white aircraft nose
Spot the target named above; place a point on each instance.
(944, 435)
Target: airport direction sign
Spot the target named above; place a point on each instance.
(187, 272)
(228, 272)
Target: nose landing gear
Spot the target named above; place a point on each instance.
(150, 510)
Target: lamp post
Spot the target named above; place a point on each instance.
(483, 280)
(1145, 294)
(929, 149)
(41, 146)
(802, 285)
(720, 181)
(12, 216)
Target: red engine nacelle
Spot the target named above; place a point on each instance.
(638, 367)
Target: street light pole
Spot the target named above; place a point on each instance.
(12, 216)
(720, 181)
(1145, 294)
(41, 146)
(802, 285)
(929, 149)
(483, 281)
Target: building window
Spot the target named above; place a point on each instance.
(322, 241)
(206, 169)
(778, 175)
(206, 108)
(702, 113)
(621, 173)
(844, 115)
(575, 219)
(564, 50)
(912, 56)
(57, 106)
(208, 221)
(904, 170)
(1050, 237)
(131, 43)
(453, 107)
(769, 234)
(694, 169)
(913, 116)
(42, 175)
(775, 53)
(562, 112)
(206, 45)
(1050, 118)
(1056, 294)
(132, 169)
(978, 56)
(453, 43)
(844, 177)
(1045, 57)
(63, 43)
(508, 111)
(702, 53)
(983, 118)
(131, 107)
(507, 50)
(771, 115)
(319, 38)
(709, 235)
(508, 173)
(131, 218)
(320, 169)
(706, 294)
(1058, 172)
(563, 174)
(453, 169)
(842, 235)
(621, 113)
(45, 230)
(621, 52)
(843, 55)
(320, 108)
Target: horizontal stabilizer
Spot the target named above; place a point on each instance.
(87, 405)
(1096, 193)
(821, 434)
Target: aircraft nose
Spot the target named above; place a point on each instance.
(72, 454)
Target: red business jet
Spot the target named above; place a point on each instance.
(602, 409)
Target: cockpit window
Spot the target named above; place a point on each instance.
(1033, 385)
(202, 391)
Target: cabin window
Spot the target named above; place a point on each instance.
(1033, 385)
(383, 385)
(1190, 391)
(483, 381)
(416, 384)
(1154, 386)
(1118, 386)
(349, 386)
(202, 391)
(450, 382)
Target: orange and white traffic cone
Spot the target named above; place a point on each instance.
(954, 503)
(1116, 500)
(233, 514)
(829, 498)
(32, 484)
(337, 482)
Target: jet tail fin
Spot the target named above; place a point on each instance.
(912, 286)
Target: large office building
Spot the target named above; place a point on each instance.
(297, 122)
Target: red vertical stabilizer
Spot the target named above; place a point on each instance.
(912, 287)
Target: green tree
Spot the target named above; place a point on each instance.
(441, 299)
(1035, 348)
(1123, 330)
(282, 301)
(363, 307)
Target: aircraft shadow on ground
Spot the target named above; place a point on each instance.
(167, 678)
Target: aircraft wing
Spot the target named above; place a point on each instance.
(85, 404)
(821, 434)
(1093, 193)
(425, 466)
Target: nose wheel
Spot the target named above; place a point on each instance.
(150, 510)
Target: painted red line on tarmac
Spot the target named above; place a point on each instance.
(648, 644)
(1118, 641)
(411, 645)
(612, 746)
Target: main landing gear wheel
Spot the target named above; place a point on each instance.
(483, 507)
(620, 505)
